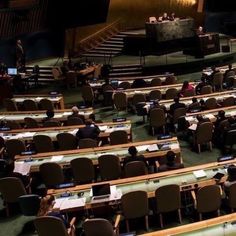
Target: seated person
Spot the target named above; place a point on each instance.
(200, 31)
(49, 116)
(64, 68)
(201, 119)
(186, 87)
(229, 76)
(195, 105)
(202, 104)
(170, 162)
(175, 105)
(89, 131)
(46, 209)
(214, 71)
(75, 113)
(203, 83)
(231, 170)
(172, 16)
(220, 117)
(133, 156)
(165, 16)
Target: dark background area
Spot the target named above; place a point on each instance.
(72, 13)
(220, 5)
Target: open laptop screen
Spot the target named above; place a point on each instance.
(12, 71)
(101, 189)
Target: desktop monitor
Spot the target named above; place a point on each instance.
(12, 71)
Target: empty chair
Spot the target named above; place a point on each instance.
(156, 82)
(120, 101)
(208, 199)
(83, 170)
(189, 93)
(14, 147)
(43, 143)
(30, 105)
(67, 141)
(203, 135)
(11, 188)
(217, 81)
(12, 124)
(46, 104)
(109, 167)
(51, 123)
(135, 205)
(155, 95)
(230, 140)
(207, 89)
(87, 143)
(30, 123)
(138, 97)
(171, 93)
(170, 80)
(50, 225)
(87, 95)
(157, 119)
(231, 200)
(141, 110)
(107, 94)
(74, 121)
(118, 137)
(10, 105)
(135, 168)
(51, 174)
(178, 113)
(229, 101)
(29, 204)
(211, 103)
(167, 200)
(91, 227)
(124, 85)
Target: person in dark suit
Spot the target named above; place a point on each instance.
(133, 156)
(75, 113)
(20, 54)
(170, 163)
(231, 170)
(89, 131)
(203, 83)
(172, 16)
(175, 105)
(195, 105)
(200, 31)
(49, 116)
(139, 83)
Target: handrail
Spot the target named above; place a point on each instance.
(101, 30)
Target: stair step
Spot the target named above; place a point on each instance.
(102, 52)
(109, 49)
(105, 44)
(114, 42)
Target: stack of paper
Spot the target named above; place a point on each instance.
(56, 158)
(153, 148)
(199, 173)
(22, 167)
(69, 203)
(142, 148)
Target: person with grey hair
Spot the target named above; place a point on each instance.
(75, 113)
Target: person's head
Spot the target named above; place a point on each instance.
(231, 173)
(18, 41)
(88, 122)
(185, 84)
(200, 28)
(194, 100)
(75, 110)
(176, 99)
(199, 118)
(132, 151)
(46, 205)
(170, 157)
(50, 113)
(173, 14)
(202, 102)
(221, 114)
(92, 117)
(164, 14)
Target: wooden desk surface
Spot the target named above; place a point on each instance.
(120, 150)
(106, 128)
(185, 178)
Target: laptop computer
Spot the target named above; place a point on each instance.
(101, 191)
(12, 71)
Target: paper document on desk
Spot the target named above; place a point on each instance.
(56, 158)
(72, 203)
(153, 148)
(210, 117)
(22, 167)
(142, 148)
(103, 127)
(28, 134)
(2, 117)
(199, 173)
(193, 127)
(67, 113)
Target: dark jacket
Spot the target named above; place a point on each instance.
(89, 131)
